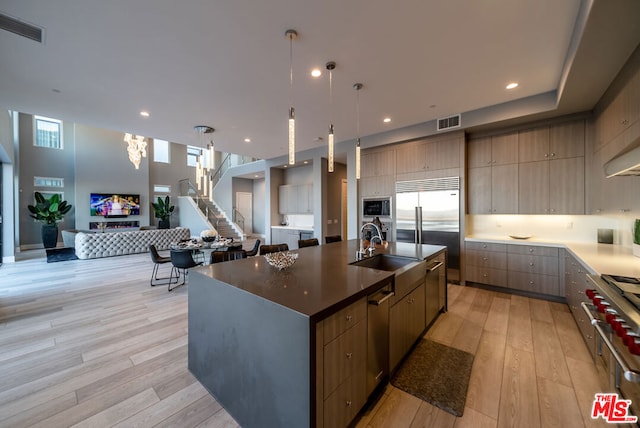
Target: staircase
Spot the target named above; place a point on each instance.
(216, 217)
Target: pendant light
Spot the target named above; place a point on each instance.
(205, 156)
(330, 66)
(357, 87)
(291, 34)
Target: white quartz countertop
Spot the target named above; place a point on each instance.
(305, 228)
(599, 258)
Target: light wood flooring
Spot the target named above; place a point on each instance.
(90, 343)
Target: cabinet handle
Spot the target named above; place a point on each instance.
(484, 245)
(531, 264)
(349, 354)
(485, 258)
(348, 317)
(348, 403)
(531, 250)
(530, 282)
(553, 155)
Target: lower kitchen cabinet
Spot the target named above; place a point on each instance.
(406, 323)
(575, 285)
(342, 365)
(529, 268)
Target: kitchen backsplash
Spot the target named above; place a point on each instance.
(577, 228)
(298, 220)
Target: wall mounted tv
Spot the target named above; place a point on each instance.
(114, 205)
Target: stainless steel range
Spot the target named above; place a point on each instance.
(615, 315)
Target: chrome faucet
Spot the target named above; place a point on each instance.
(360, 253)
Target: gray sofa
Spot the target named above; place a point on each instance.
(108, 244)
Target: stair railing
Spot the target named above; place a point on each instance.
(238, 219)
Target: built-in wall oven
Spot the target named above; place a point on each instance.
(615, 314)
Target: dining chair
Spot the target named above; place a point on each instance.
(158, 260)
(182, 260)
(273, 248)
(332, 238)
(254, 250)
(302, 243)
(225, 256)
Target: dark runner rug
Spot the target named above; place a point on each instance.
(61, 254)
(437, 374)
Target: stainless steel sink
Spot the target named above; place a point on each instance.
(385, 262)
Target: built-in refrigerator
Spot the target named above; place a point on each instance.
(428, 212)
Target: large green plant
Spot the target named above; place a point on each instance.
(49, 211)
(163, 208)
(636, 232)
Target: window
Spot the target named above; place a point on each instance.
(48, 182)
(160, 151)
(192, 155)
(48, 132)
(161, 188)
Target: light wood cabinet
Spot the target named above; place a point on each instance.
(486, 263)
(428, 155)
(378, 163)
(533, 144)
(344, 362)
(534, 269)
(493, 175)
(575, 285)
(381, 185)
(406, 323)
(551, 187)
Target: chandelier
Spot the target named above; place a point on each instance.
(357, 87)
(291, 35)
(330, 66)
(136, 148)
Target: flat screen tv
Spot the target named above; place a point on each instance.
(114, 204)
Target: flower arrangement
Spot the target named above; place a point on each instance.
(208, 235)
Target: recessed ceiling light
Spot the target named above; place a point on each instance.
(316, 72)
(512, 85)
(386, 120)
(144, 113)
(247, 140)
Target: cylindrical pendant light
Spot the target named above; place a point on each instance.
(357, 87)
(291, 34)
(330, 66)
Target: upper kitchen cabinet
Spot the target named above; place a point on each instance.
(554, 142)
(377, 173)
(430, 155)
(378, 163)
(493, 174)
(494, 150)
(295, 199)
(551, 170)
(493, 189)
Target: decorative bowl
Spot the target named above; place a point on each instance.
(209, 238)
(282, 259)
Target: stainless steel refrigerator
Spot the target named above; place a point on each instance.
(428, 212)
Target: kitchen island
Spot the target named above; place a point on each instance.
(288, 348)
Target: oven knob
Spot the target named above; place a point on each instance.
(630, 337)
(611, 314)
(634, 347)
(602, 306)
(590, 293)
(622, 329)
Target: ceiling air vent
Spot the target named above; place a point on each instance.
(21, 28)
(449, 122)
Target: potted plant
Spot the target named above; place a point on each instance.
(163, 210)
(49, 211)
(636, 238)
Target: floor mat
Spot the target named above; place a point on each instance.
(437, 374)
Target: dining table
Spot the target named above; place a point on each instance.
(201, 250)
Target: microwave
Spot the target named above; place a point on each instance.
(376, 207)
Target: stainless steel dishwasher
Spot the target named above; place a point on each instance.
(378, 337)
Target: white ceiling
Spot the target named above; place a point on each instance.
(225, 63)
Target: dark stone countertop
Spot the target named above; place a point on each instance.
(320, 282)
